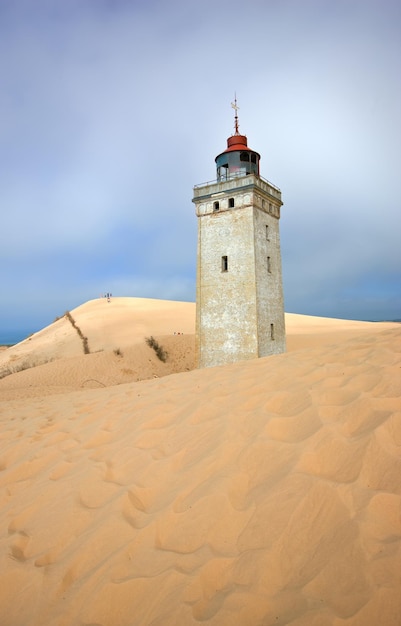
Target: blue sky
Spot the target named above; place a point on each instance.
(110, 112)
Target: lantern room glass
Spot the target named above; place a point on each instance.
(237, 163)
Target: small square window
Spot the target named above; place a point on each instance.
(216, 206)
(231, 202)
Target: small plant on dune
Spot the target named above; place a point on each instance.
(160, 352)
(20, 367)
(118, 352)
(6, 371)
(84, 339)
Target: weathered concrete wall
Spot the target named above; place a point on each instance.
(269, 284)
(237, 305)
(227, 304)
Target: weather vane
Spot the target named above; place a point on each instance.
(235, 107)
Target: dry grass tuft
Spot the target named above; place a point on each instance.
(84, 339)
(160, 352)
(23, 365)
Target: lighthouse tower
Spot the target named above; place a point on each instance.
(239, 292)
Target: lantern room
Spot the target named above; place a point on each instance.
(237, 159)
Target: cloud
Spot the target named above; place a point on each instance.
(110, 112)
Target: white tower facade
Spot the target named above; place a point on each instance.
(239, 294)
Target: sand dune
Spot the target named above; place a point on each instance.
(264, 492)
(53, 360)
(107, 325)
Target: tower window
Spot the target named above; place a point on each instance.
(244, 156)
(267, 233)
(231, 202)
(253, 158)
(224, 264)
(216, 206)
(269, 265)
(272, 332)
(222, 172)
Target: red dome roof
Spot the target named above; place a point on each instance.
(237, 142)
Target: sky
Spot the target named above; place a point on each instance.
(112, 110)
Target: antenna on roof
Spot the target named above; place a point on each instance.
(235, 107)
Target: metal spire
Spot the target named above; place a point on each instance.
(235, 107)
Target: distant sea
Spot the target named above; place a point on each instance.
(10, 337)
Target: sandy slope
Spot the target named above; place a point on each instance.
(107, 325)
(265, 492)
(53, 360)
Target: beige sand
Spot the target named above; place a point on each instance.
(265, 492)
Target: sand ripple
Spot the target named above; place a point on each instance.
(266, 492)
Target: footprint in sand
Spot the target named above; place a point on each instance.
(19, 546)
